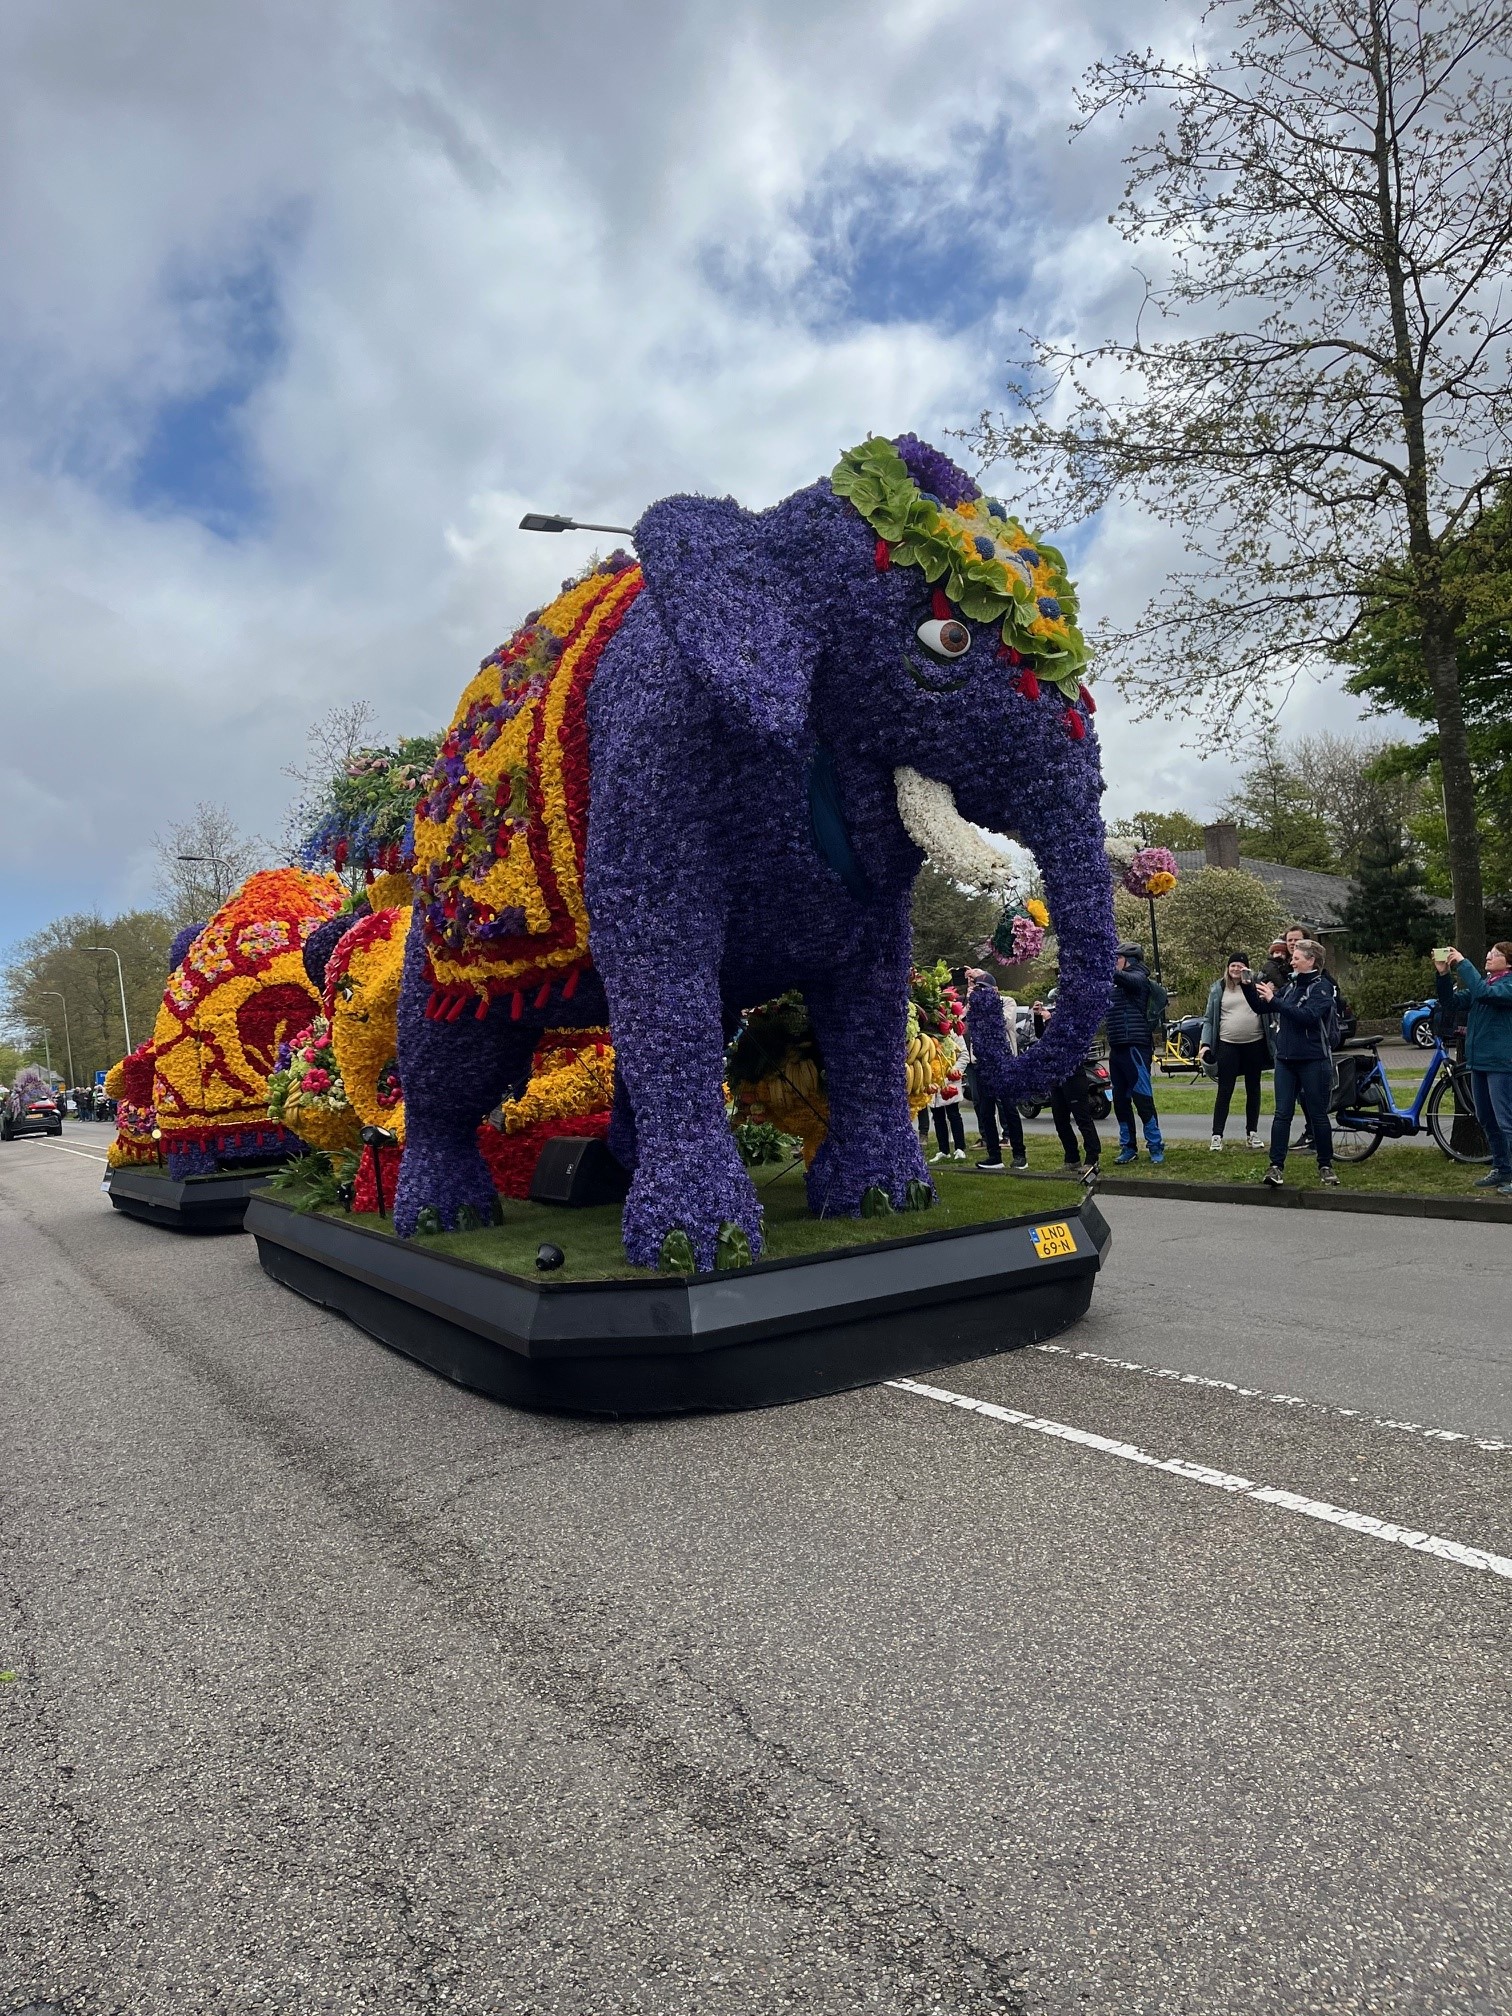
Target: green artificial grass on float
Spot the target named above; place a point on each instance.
(590, 1238)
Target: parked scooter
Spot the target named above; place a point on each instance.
(1099, 1079)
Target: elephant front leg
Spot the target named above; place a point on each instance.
(871, 1150)
(690, 1199)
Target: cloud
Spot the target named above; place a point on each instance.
(301, 307)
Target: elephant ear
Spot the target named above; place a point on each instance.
(321, 941)
(732, 609)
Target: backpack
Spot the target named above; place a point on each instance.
(1156, 1003)
(1333, 1025)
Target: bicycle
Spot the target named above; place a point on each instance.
(1368, 1114)
(1177, 1054)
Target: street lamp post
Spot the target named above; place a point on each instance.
(120, 975)
(216, 864)
(1144, 841)
(58, 995)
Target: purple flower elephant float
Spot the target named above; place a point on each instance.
(700, 778)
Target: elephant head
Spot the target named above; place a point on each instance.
(901, 633)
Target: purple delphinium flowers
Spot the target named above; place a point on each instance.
(182, 940)
(322, 941)
(935, 473)
(987, 1034)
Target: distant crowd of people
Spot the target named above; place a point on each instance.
(1286, 1016)
(85, 1102)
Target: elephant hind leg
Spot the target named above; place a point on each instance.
(453, 1075)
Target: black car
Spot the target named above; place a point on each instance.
(29, 1113)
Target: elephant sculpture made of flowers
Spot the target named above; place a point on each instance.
(702, 777)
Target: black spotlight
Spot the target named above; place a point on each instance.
(376, 1138)
(549, 1258)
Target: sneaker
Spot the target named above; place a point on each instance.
(1091, 1173)
(1330, 1176)
(1274, 1177)
(990, 1168)
(1073, 1168)
(1215, 1146)
(1497, 1180)
(958, 1155)
(1020, 1165)
(1127, 1155)
(938, 1155)
(1157, 1156)
(1253, 1141)
(1504, 1190)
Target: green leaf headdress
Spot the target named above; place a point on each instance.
(988, 566)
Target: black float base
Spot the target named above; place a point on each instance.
(781, 1330)
(194, 1204)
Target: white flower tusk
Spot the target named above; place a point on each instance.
(931, 820)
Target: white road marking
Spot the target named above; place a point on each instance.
(57, 1148)
(1479, 1558)
(1487, 1442)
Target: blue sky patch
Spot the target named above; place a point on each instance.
(197, 458)
(890, 244)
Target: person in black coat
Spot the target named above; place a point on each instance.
(1071, 1108)
(1303, 1014)
(1131, 1050)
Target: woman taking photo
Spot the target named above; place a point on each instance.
(1488, 1050)
(1303, 1012)
(1234, 1036)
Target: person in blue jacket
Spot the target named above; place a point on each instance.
(1488, 1049)
(1303, 1058)
(1131, 1049)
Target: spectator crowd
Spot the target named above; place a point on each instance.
(1285, 1017)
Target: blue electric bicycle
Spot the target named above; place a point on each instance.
(1365, 1113)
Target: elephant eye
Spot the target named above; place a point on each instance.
(946, 639)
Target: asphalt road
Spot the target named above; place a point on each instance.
(337, 1688)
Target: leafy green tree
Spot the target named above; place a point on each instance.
(1210, 913)
(1357, 798)
(948, 923)
(1386, 910)
(1386, 669)
(12, 1057)
(1277, 814)
(57, 960)
(202, 860)
(1177, 830)
(1321, 372)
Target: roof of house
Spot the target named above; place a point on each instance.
(1312, 898)
(1306, 894)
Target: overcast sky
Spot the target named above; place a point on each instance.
(301, 307)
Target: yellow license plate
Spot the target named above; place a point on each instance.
(1053, 1242)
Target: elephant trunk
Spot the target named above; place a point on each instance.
(1079, 891)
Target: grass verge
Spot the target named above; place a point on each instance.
(1184, 1095)
(1400, 1171)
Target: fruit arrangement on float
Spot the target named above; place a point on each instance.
(775, 1071)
